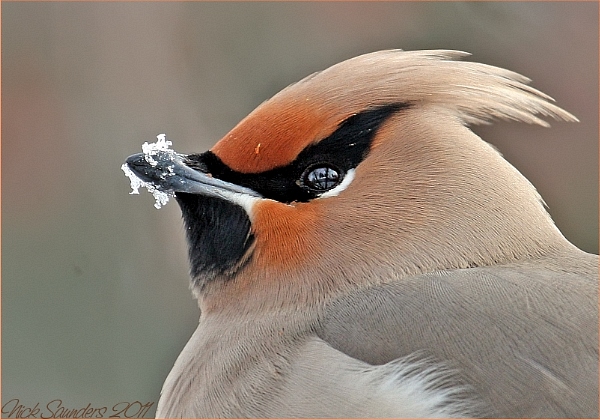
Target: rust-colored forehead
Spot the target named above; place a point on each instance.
(274, 134)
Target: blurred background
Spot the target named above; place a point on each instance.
(95, 299)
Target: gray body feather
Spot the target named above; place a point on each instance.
(524, 335)
(517, 340)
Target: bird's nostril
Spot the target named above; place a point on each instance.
(195, 162)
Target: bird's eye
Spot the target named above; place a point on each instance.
(321, 178)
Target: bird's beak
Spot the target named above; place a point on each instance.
(167, 172)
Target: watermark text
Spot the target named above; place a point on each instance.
(55, 409)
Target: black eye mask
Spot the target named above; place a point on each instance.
(317, 169)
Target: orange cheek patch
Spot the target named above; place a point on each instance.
(284, 234)
(272, 136)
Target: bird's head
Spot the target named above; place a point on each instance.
(362, 173)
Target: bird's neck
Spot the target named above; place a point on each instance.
(221, 358)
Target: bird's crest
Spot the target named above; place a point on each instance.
(309, 110)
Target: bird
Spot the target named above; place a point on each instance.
(356, 250)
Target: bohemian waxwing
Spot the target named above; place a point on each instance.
(357, 251)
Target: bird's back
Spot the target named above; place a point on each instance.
(523, 336)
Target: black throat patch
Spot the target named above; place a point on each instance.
(218, 235)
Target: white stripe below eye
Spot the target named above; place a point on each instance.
(245, 201)
(343, 185)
